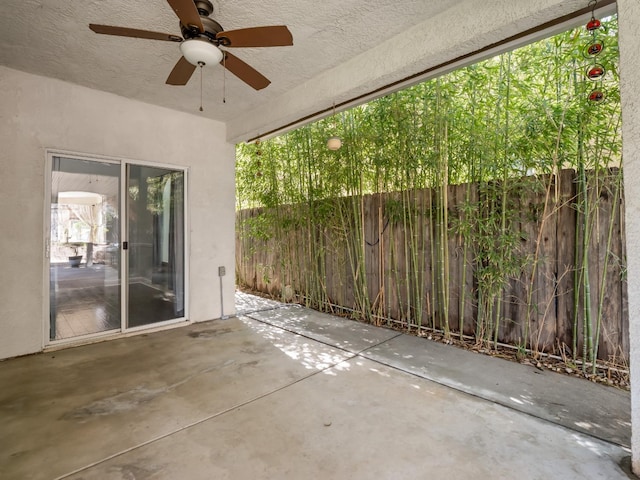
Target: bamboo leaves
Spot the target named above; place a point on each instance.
(444, 207)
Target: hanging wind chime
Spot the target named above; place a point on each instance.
(595, 71)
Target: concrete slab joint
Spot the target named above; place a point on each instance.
(286, 392)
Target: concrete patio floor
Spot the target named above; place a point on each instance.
(284, 392)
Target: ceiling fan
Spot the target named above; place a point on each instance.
(201, 37)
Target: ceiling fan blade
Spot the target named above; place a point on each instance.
(275, 36)
(181, 73)
(134, 32)
(244, 72)
(187, 13)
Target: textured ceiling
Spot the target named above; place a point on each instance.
(343, 50)
(52, 38)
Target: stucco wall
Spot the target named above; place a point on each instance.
(629, 41)
(38, 113)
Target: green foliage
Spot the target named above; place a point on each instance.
(510, 115)
(258, 227)
(502, 128)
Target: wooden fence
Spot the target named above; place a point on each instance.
(385, 257)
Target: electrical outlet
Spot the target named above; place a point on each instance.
(221, 271)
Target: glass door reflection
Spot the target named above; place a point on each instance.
(155, 226)
(84, 255)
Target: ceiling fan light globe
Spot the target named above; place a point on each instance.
(198, 52)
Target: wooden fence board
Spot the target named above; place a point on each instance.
(470, 298)
(546, 271)
(413, 264)
(369, 245)
(565, 258)
(510, 329)
(611, 287)
(332, 267)
(624, 311)
(430, 287)
(425, 290)
(346, 229)
(403, 259)
(391, 260)
(455, 257)
(596, 254)
(401, 275)
(526, 287)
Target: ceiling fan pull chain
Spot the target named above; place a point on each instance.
(224, 78)
(201, 65)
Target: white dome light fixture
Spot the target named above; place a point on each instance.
(200, 52)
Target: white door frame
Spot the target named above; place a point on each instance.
(124, 259)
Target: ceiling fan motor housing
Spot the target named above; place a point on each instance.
(211, 27)
(205, 8)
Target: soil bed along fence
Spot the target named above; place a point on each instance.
(543, 269)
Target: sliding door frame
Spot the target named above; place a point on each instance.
(124, 254)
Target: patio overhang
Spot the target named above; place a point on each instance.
(465, 33)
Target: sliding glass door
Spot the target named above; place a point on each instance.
(155, 204)
(114, 265)
(84, 253)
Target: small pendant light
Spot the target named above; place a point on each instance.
(334, 143)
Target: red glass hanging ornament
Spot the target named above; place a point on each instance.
(596, 96)
(594, 24)
(595, 72)
(594, 49)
